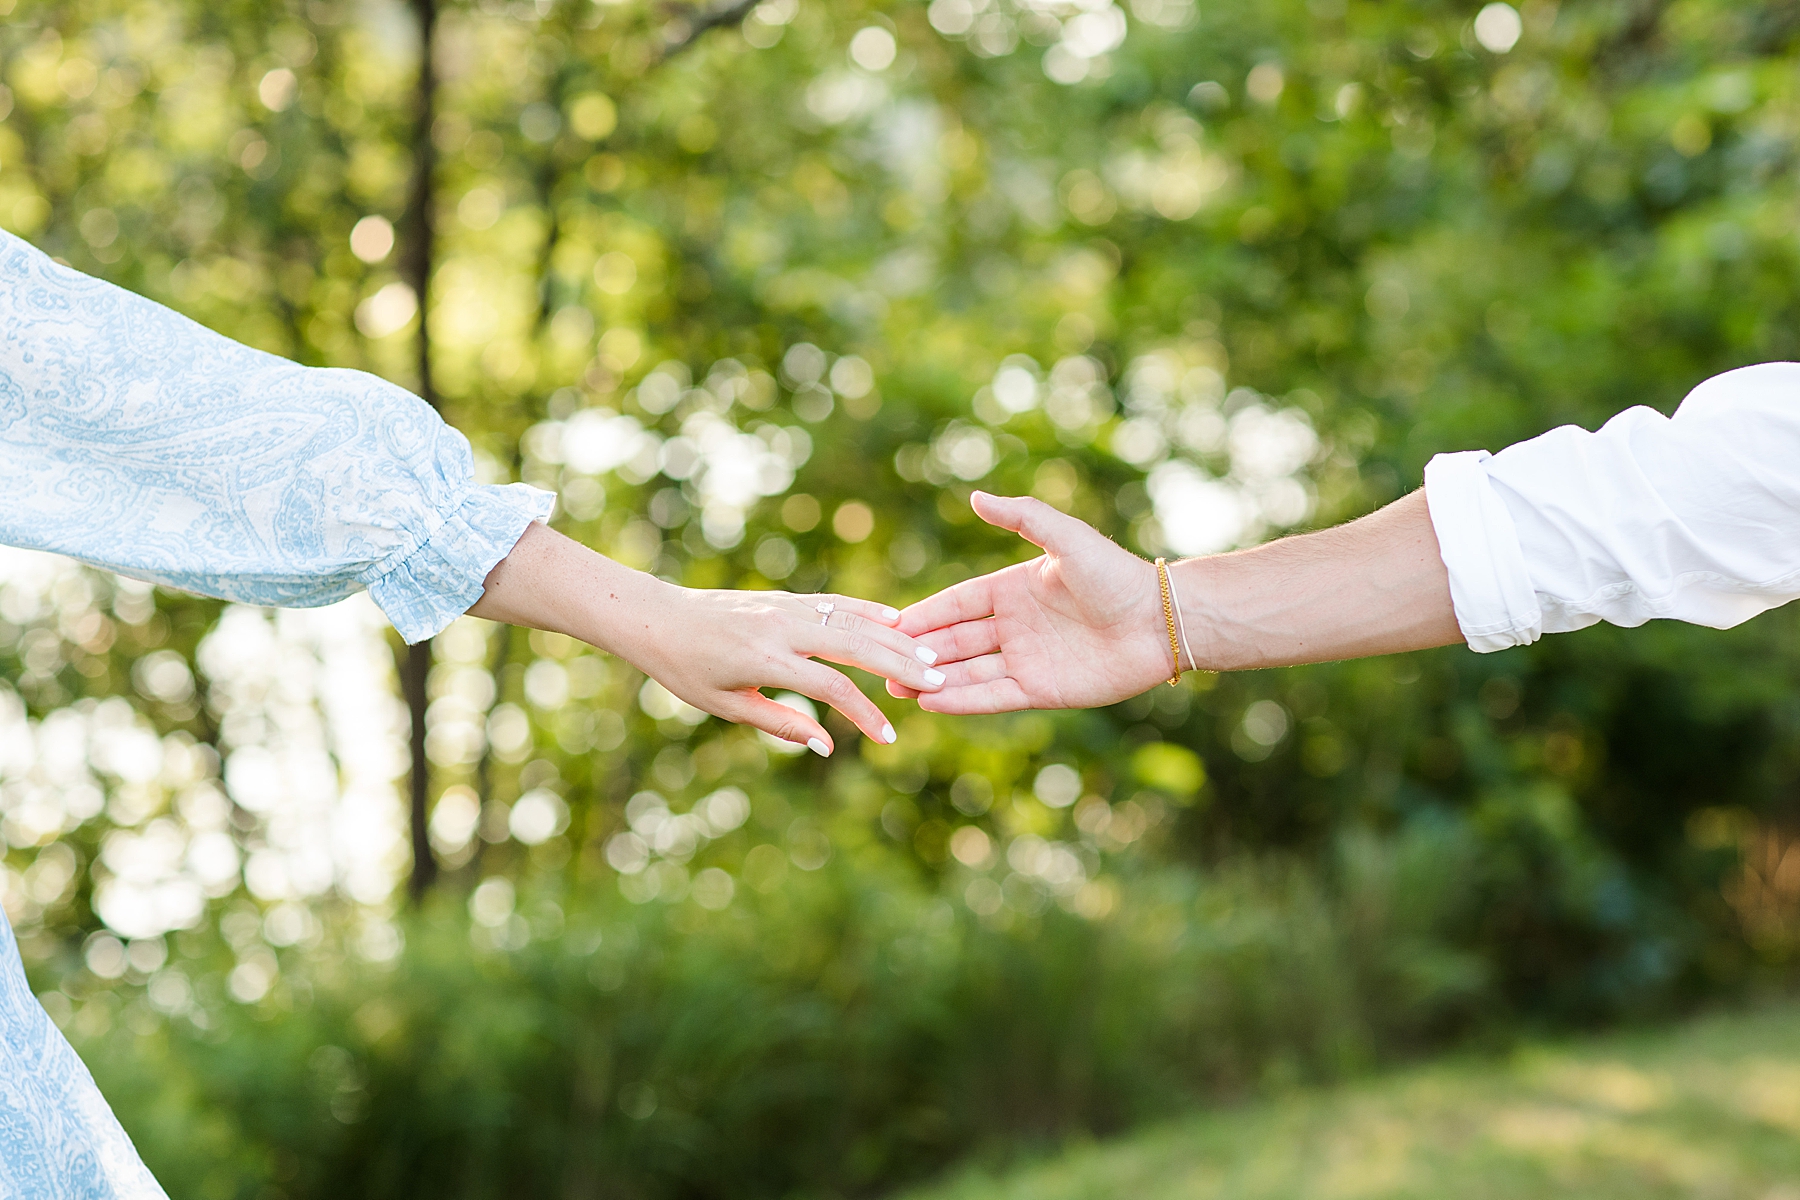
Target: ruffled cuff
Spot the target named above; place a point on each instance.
(437, 582)
(1490, 583)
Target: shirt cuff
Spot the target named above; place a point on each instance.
(1490, 583)
(447, 573)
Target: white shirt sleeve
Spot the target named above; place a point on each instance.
(1694, 517)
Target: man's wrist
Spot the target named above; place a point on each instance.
(1150, 661)
(1200, 583)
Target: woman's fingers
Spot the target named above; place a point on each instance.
(858, 642)
(835, 689)
(770, 639)
(884, 614)
(748, 706)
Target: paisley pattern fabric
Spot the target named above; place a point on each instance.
(133, 439)
(58, 1138)
(136, 440)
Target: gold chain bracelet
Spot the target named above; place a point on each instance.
(1162, 575)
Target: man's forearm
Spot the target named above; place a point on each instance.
(1375, 586)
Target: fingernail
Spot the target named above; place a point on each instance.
(934, 677)
(888, 735)
(818, 746)
(926, 655)
(892, 614)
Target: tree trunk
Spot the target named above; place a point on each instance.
(414, 669)
(419, 252)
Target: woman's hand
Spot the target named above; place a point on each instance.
(713, 649)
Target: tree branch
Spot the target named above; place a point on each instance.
(699, 26)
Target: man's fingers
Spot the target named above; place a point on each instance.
(835, 689)
(995, 696)
(969, 600)
(751, 707)
(983, 669)
(964, 640)
(1031, 519)
(986, 668)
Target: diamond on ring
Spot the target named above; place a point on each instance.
(824, 608)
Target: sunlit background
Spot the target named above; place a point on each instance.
(763, 291)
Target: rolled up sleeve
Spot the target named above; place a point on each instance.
(134, 439)
(1694, 517)
(1490, 582)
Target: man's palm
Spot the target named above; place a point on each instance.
(1074, 628)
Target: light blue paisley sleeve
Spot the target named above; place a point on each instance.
(136, 440)
(58, 1138)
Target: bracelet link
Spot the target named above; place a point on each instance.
(1162, 575)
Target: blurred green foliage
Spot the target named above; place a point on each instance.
(835, 1035)
(763, 307)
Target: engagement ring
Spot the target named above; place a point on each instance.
(824, 608)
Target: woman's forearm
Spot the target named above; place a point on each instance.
(1375, 586)
(555, 583)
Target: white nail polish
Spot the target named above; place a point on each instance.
(892, 614)
(934, 677)
(926, 655)
(888, 735)
(818, 746)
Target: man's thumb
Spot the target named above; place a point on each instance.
(1031, 519)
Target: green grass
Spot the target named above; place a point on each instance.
(1709, 1109)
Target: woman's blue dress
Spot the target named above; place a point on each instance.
(134, 439)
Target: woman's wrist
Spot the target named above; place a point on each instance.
(622, 611)
(554, 583)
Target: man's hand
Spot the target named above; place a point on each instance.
(1078, 627)
(1083, 625)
